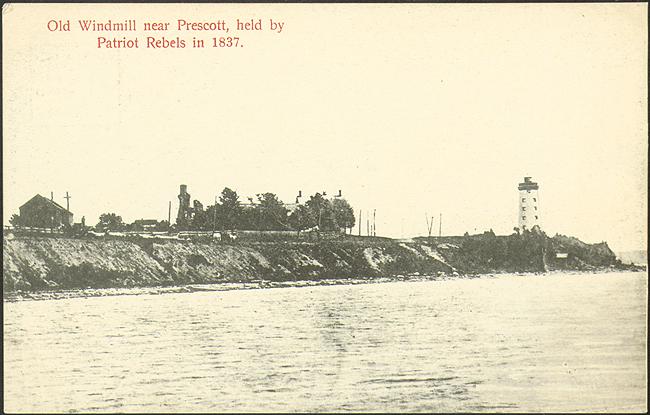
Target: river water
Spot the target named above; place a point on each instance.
(505, 343)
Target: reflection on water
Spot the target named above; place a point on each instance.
(545, 343)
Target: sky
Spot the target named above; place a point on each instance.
(411, 110)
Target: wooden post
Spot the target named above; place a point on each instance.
(374, 222)
(214, 216)
(359, 222)
(67, 201)
(429, 223)
(440, 227)
(169, 214)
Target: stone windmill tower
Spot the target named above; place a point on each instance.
(184, 213)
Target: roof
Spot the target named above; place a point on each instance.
(47, 201)
(528, 184)
(146, 221)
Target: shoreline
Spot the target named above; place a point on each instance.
(45, 265)
(19, 296)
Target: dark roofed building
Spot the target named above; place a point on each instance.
(145, 224)
(41, 212)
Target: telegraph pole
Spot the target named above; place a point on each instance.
(214, 216)
(359, 222)
(169, 214)
(374, 222)
(440, 227)
(429, 224)
(67, 201)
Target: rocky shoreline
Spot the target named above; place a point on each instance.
(34, 264)
(16, 296)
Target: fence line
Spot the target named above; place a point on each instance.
(220, 235)
(33, 229)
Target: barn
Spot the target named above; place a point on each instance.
(41, 212)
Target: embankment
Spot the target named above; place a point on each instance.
(33, 263)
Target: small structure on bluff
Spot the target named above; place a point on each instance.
(145, 224)
(41, 212)
(528, 204)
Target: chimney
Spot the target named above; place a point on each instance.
(52, 196)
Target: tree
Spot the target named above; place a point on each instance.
(270, 213)
(302, 218)
(249, 219)
(343, 214)
(321, 210)
(16, 220)
(162, 226)
(199, 220)
(211, 214)
(231, 209)
(110, 222)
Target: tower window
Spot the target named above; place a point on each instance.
(535, 207)
(523, 199)
(534, 199)
(523, 218)
(536, 217)
(523, 208)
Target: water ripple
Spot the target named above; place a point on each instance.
(557, 343)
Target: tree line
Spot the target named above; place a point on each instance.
(268, 214)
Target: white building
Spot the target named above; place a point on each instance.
(528, 204)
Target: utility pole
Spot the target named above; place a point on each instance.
(359, 222)
(67, 201)
(374, 222)
(214, 216)
(440, 227)
(429, 223)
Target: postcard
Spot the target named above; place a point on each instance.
(325, 207)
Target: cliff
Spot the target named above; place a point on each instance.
(47, 262)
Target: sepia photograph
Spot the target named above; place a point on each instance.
(325, 207)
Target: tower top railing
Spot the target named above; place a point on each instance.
(528, 184)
